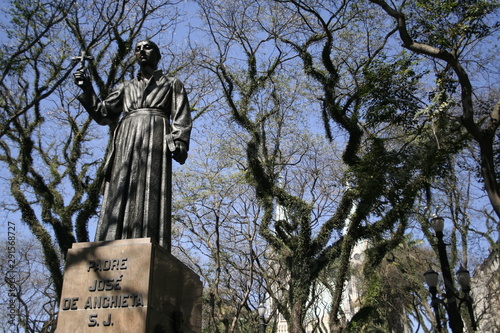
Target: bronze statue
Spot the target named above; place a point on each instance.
(155, 127)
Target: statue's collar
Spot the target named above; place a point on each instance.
(156, 74)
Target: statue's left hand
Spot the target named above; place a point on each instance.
(180, 154)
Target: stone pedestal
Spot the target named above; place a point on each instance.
(129, 285)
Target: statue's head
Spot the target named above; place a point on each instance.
(147, 53)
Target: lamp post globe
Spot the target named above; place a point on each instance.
(262, 321)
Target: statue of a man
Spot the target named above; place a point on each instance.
(155, 127)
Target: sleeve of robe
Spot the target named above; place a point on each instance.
(104, 112)
(180, 114)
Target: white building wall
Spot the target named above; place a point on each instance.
(485, 286)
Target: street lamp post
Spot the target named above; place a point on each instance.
(455, 320)
(463, 278)
(262, 321)
(431, 277)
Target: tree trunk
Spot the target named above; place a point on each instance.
(297, 318)
(489, 175)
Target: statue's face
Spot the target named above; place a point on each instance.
(147, 54)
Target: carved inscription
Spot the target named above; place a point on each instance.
(108, 284)
(107, 265)
(104, 292)
(115, 301)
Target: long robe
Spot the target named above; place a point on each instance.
(137, 190)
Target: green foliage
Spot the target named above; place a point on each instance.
(366, 320)
(391, 290)
(444, 23)
(391, 89)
